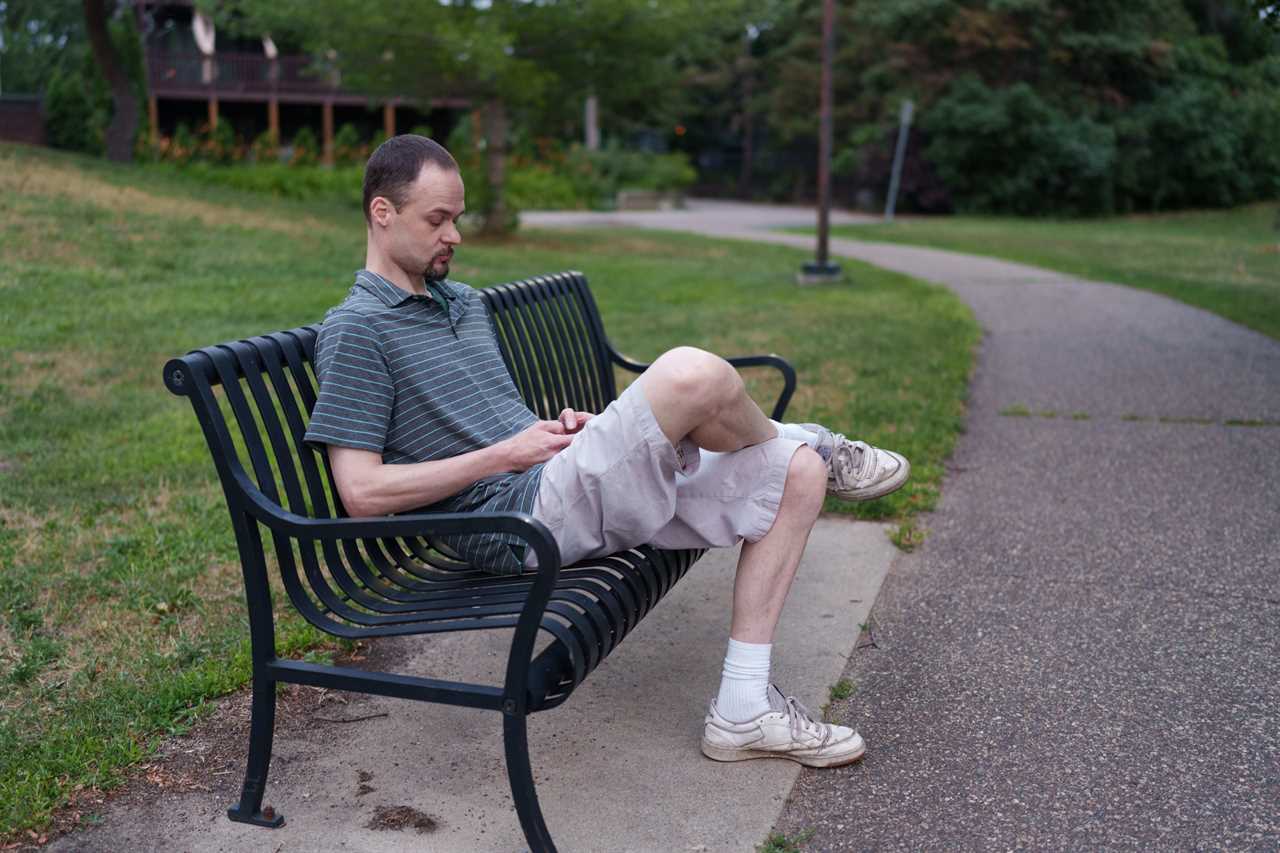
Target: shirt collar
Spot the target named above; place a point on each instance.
(393, 296)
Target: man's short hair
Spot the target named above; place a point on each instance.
(395, 166)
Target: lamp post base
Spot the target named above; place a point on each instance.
(814, 272)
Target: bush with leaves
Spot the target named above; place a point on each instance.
(265, 148)
(77, 101)
(1186, 148)
(1009, 151)
(77, 104)
(306, 149)
(348, 149)
(220, 144)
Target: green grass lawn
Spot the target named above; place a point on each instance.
(1226, 261)
(120, 606)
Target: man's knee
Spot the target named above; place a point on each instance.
(697, 376)
(806, 481)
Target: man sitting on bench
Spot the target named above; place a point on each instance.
(418, 411)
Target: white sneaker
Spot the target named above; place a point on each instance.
(785, 731)
(856, 471)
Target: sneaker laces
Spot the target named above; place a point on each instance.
(803, 723)
(851, 461)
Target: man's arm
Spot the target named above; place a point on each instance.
(369, 487)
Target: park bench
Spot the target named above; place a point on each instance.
(375, 577)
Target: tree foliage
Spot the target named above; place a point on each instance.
(529, 62)
(1045, 106)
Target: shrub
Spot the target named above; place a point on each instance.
(1186, 148)
(265, 149)
(1009, 151)
(182, 147)
(77, 100)
(613, 168)
(305, 148)
(77, 105)
(347, 147)
(542, 187)
(220, 144)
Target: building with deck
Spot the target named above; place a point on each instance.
(201, 77)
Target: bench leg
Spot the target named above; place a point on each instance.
(515, 739)
(261, 731)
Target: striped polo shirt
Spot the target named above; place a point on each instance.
(401, 376)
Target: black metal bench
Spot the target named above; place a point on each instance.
(378, 577)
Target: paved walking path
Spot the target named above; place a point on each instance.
(1086, 652)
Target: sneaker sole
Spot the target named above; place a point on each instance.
(897, 481)
(720, 753)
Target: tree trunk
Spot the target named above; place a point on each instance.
(495, 134)
(128, 109)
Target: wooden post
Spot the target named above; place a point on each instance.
(825, 131)
(153, 118)
(327, 126)
(273, 119)
(389, 119)
(213, 112)
(821, 269)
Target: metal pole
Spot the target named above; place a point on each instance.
(899, 154)
(821, 269)
(824, 131)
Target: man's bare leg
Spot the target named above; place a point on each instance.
(767, 567)
(698, 395)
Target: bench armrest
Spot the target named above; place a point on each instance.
(519, 524)
(771, 360)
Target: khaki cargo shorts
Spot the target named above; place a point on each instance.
(621, 484)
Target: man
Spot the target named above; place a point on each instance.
(417, 410)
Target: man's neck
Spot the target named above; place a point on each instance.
(375, 263)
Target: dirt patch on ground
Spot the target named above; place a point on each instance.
(401, 818)
(67, 368)
(30, 240)
(210, 758)
(36, 178)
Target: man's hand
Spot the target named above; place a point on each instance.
(574, 421)
(535, 444)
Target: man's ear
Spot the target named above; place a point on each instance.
(380, 210)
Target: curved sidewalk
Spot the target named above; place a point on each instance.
(1085, 654)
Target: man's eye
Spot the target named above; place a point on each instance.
(436, 221)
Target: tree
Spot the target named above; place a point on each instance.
(123, 127)
(1061, 106)
(36, 36)
(505, 56)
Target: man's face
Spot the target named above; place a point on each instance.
(423, 232)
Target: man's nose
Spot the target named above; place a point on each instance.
(453, 236)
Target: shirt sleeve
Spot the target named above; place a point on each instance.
(353, 408)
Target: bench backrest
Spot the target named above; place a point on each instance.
(253, 397)
(553, 342)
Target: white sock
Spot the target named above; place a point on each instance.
(744, 683)
(796, 433)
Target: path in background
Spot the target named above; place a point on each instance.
(1086, 651)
